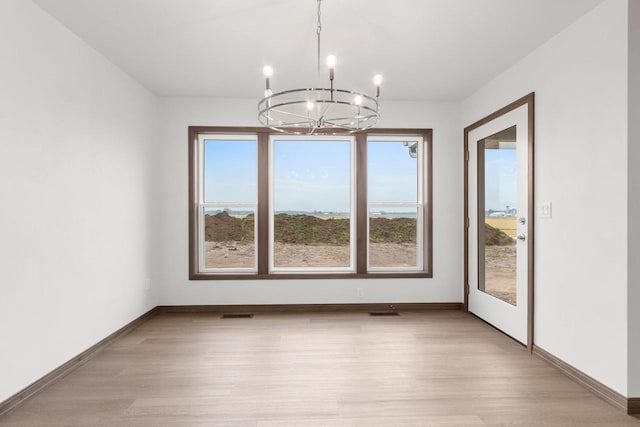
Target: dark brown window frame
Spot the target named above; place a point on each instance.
(263, 135)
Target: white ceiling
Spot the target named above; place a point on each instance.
(426, 49)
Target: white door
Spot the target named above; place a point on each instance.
(499, 222)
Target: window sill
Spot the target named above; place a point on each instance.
(286, 276)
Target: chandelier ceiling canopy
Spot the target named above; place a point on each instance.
(326, 110)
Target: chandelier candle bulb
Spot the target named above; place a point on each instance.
(377, 81)
(268, 72)
(331, 62)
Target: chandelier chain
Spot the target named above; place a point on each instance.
(319, 21)
(318, 30)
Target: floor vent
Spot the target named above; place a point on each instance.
(237, 316)
(384, 313)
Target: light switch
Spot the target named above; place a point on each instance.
(544, 210)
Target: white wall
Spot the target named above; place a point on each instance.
(74, 192)
(580, 81)
(172, 208)
(633, 306)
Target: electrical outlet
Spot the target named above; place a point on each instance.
(360, 292)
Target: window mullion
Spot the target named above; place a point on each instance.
(361, 204)
(427, 208)
(263, 203)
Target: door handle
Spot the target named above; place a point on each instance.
(521, 237)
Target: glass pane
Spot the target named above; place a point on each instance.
(498, 195)
(229, 238)
(393, 237)
(312, 203)
(392, 171)
(230, 171)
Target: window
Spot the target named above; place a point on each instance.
(229, 203)
(394, 200)
(312, 204)
(264, 205)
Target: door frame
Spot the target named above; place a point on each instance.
(529, 101)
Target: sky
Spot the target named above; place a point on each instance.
(314, 176)
(500, 179)
(392, 173)
(308, 176)
(230, 172)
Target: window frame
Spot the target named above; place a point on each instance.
(418, 205)
(262, 219)
(352, 206)
(203, 205)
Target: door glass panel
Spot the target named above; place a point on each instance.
(497, 210)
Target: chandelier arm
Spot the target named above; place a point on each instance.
(287, 131)
(273, 108)
(363, 107)
(346, 128)
(339, 126)
(284, 124)
(269, 121)
(298, 125)
(346, 119)
(289, 113)
(326, 108)
(324, 112)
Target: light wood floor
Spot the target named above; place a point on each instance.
(439, 368)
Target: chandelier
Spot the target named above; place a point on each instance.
(319, 109)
